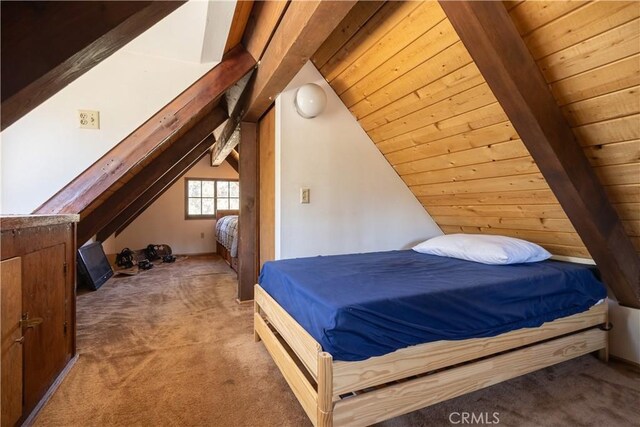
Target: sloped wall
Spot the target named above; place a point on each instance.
(404, 74)
(358, 203)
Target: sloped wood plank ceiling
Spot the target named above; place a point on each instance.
(405, 75)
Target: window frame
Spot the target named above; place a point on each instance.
(215, 197)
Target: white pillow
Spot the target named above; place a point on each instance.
(483, 248)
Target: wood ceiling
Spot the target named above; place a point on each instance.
(403, 72)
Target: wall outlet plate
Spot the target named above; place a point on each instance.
(89, 119)
(305, 195)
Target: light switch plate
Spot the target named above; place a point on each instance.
(305, 195)
(89, 119)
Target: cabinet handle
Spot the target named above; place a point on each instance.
(27, 323)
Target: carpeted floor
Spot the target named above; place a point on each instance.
(171, 347)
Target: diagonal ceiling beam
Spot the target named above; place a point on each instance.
(41, 55)
(493, 41)
(158, 133)
(228, 137)
(95, 220)
(234, 160)
(238, 23)
(148, 195)
(303, 29)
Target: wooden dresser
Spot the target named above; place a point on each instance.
(37, 296)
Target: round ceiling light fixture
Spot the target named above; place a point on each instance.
(310, 100)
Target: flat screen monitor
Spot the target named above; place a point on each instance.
(93, 267)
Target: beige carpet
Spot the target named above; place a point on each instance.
(171, 347)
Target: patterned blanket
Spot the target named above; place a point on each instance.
(227, 233)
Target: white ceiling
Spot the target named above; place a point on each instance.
(195, 32)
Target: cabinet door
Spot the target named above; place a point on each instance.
(45, 344)
(10, 314)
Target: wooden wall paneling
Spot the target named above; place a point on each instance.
(615, 130)
(350, 25)
(267, 186)
(534, 181)
(479, 155)
(619, 42)
(418, 21)
(579, 25)
(510, 167)
(447, 85)
(415, 83)
(494, 43)
(304, 27)
(263, 21)
(155, 135)
(194, 139)
(530, 15)
(238, 23)
(147, 196)
(460, 103)
(11, 344)
(482, 117)
(617, 75)
(248, 226)
(467, 140)
(516, 197)
(384, 21)
(604, 107)
(541, 224)
(44, 56)
(403, 62)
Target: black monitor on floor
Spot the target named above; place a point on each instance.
(93, 267)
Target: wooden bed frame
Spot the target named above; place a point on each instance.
(337, 393)
(220, 249)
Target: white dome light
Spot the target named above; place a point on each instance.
(310, 100)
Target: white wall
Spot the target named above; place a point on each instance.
(358, 202)
(164, 222)
(45, 149)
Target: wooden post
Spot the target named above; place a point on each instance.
(248, 220)
(325, 390)
(256, 310)
(603, 354)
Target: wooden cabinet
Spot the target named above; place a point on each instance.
(38, 309)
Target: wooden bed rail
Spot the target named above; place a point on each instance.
(388, 402)
(404, 380)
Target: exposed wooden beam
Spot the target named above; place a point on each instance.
(238, 23)
(48, 44)
(147, 196)
(194, 139)
(236, 98)
(248, 219)
(234, 160)
(263, 21)
(154, 136)
(303, 29)
(493, 41)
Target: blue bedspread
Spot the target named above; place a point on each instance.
(363, 305)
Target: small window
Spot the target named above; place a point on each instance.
(205, 196)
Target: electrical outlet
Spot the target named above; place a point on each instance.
(305, 195)
(89, 119)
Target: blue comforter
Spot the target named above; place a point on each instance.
(363, 305)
